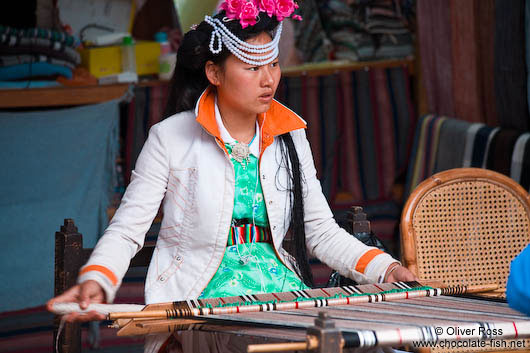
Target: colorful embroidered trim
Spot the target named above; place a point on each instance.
(248, 233)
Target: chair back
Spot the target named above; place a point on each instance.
(70, 255)
(464, 226)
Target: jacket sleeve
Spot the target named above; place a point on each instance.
(324, 238)
(124, 237)
(518, 279)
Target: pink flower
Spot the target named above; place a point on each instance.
(232, 7)
(297, 17)
(268, 6)
(284, 8)
(248, 14)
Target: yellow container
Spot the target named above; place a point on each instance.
(104, 61)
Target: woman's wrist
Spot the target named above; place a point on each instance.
(391, 268)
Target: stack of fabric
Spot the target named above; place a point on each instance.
(357, 30)
(503, 150)
(35, 57)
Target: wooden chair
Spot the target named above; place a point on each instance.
(464, 226)
(69, 257)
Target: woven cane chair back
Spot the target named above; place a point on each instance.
(464, 226)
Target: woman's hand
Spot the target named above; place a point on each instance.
(399, 273)
(85, 293)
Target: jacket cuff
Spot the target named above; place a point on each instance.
(103, 276)
(376, 268)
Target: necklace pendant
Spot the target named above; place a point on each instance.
(240, 153)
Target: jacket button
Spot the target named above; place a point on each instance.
(263, 177)
(273, 227)
(162, 278)
(178, 258)
(270, 202)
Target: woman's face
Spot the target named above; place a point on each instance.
(246, 88)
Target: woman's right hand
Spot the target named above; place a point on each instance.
(88, 292)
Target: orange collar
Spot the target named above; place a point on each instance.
(279, 119)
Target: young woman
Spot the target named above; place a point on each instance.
(234, 172)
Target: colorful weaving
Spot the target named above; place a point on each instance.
(419, 316)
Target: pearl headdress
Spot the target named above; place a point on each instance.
(241, 49)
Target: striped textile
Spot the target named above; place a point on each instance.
(442, 143)
(360, 127)
(248, 233)
(57, 36)
(388, 314)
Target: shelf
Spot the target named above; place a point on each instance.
(68, 96)
(332, 67)
(60, 96)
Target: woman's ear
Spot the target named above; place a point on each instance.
(213, 73)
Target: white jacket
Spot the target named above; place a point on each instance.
(184, 165)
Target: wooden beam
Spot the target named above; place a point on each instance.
(332, 67)
(60, 96)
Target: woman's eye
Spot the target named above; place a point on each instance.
(255, 68)
(274, 64)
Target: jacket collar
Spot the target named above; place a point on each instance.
(276, 121)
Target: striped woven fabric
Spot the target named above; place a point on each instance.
(388, 314)
(248, 233)
(360, 127)
(481, 146)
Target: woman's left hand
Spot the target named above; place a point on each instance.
(400, 274)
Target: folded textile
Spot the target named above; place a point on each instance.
(481, 145)
(524, 178)
(10, 60)
(520, 159)
(424, 151)
(394, 46)
(501, 146)
(28, 84)
(39, 69)
(449, 155)
(311, 39)
(470, 140)
(57, 36)
(11, 45)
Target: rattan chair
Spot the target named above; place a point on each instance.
(464, 226)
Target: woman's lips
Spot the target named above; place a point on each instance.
(265, 97)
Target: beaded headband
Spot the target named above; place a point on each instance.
(241, 49)
(247, 13)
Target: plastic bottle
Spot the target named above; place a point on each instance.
(161, 38)
(128, 57)
(167, 59)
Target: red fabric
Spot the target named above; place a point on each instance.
(465, 58)
(434, 34)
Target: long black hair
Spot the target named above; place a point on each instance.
(189, 81)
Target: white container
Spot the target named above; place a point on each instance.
(128, 56)
(166, 66)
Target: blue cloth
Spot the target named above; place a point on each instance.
(28, 84)
(517, 292)
(56, 164)
(17, 72)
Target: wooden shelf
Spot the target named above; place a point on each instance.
(60, 96)
(68, 96)
(331, 67)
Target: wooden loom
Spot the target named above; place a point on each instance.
(403, 314)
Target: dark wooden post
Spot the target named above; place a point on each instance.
(68, 260)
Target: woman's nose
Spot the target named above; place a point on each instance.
(267, 79)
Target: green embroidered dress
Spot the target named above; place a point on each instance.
(250, 267)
